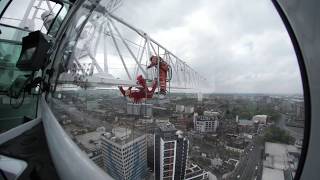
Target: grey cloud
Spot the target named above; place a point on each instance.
(240, 46)
(156, 15)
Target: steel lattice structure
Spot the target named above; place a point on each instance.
(124, 52)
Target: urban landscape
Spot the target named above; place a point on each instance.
(186, 136)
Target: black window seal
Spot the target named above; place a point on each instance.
(11, 41)
(15, 27)
(5, 8)
(55, 18)
(306, 89)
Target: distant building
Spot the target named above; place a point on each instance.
(91, 144)
(92, 105)
(236, 145)
(101, 129)
(298, 109)
(245, 122)
(161, 121)
(200, 97)
(205, 124)
(188, 109)
(170, 153)
(216, 162)
(146, 120)
(139, 109)
(194, 172)
(262, 119)
(181, 123)
(248, 136)
(179, 108)
(280, 162)
(234, 149)
(211, 113)
(125, 154)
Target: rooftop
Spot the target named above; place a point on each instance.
(269, 173)
(260, 116)
(211, 113)
(278, 155)
(194, 170)
(279, 149)
(245, 122)
(121, 132)
(205, 118)
(90, 141)
(122, 135)
(167, 127)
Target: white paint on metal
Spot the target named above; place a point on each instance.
(17, 131)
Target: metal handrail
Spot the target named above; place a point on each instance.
(15, 27)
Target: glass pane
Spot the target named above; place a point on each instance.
(13, 111)
(233, 109)
(32, 15)
(58, 21)
(12, 116)
(13, 34)
(9, 55)
(3, 4)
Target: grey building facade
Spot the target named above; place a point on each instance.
(170, 153)
(125, 159)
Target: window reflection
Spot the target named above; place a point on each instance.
(177, 133)
(17, 21)
(183, 135)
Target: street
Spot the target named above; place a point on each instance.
(246, 169)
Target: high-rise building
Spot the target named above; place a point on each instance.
(205, 124)
(124, 154)
(170, 153)
(96, 157)
(91, 144)
(139, 109)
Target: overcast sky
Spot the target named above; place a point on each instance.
(238, 45)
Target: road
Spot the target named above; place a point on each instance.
(246, 169)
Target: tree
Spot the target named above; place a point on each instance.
(278, 135)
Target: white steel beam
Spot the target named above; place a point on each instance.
(127, 46)
(141, 56)
(118, 50)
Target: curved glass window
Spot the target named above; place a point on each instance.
(17, 21)
(157, 90)
(232, 105)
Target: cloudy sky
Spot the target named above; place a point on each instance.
(238, 45)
